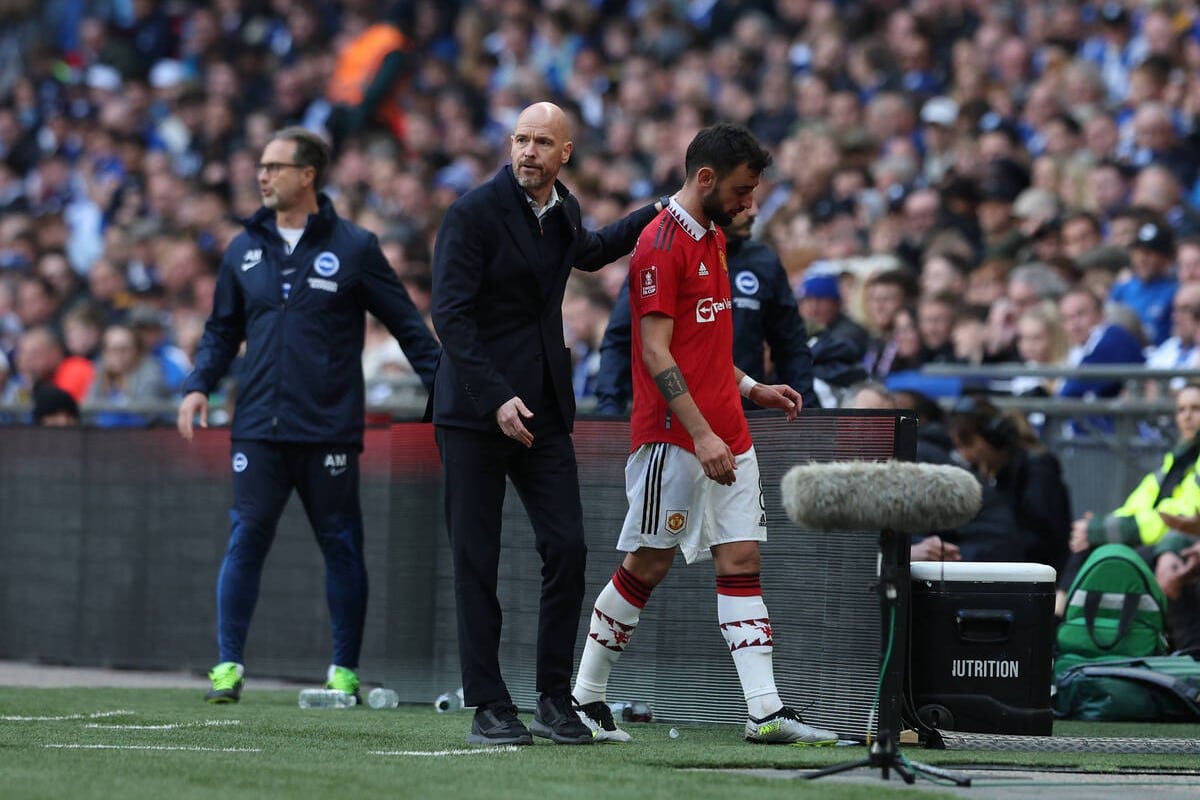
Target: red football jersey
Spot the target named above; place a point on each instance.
(678, 269)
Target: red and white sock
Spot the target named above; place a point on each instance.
(614, 618)
(746, 627)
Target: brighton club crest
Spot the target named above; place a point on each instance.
(326, 264)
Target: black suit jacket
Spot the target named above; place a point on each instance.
(498, 319)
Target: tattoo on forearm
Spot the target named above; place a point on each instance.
(671, 383)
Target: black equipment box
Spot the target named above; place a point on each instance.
(981, 649)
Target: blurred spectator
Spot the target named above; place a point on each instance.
(52, 407)
(884, 294)
(1041, 342)
(41, 360)
(1150, 289)
(1026, 477)
(1027, 286)
(586, 311)
(126, 375)
(1094, 341)
(149, 325)
(52, 265)
(1110, 48)
(383, 361)
(1156, 142)
(108, 289)
(1081, 233)
(920, 219)
(1187, 260)
(1179, 350)
(83, 326)
(969, 335)
(38, 302)
(936, 316)
(939, 117)
(945, 273)
(899, 350)
(1108, 188)
(987, 283)
(836, 341)
(370, 76)
(821, 308)
(1158, 189)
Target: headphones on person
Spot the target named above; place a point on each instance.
(992, 426)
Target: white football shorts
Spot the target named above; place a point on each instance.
(672, 503)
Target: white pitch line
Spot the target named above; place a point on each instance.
(208, 723)
(191, 748)
(485, 751)
(60, 718)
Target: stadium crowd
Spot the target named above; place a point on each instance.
(969, 181)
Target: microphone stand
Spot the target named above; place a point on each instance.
(894, 588)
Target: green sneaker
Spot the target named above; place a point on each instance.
(343, 680)
(227, 683)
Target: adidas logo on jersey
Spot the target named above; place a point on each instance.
(703, 270)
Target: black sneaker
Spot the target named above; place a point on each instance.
(498, 725)
(555, 719)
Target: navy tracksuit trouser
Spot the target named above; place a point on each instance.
(326, 479)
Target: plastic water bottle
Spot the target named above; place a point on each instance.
(325, 698)
(449, 702)
(383, 698)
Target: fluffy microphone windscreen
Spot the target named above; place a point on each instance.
(899, 496)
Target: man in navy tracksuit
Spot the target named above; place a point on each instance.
(295, 287)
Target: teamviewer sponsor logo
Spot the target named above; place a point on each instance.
(707, 308)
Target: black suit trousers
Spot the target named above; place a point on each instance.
(475, 467)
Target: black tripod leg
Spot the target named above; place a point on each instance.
(935, 772)
(901, 770)
(836, 768)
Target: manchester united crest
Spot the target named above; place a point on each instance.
(676, 521)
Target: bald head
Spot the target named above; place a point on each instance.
(540, 146)
(548, 115)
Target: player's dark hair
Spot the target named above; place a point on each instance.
(724, 147)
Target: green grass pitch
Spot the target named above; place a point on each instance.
(167, 744)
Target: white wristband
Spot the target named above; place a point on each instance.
(746, 385)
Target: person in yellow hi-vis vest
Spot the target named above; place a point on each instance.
(1161, 516)
(370, 78)
(1170, 490)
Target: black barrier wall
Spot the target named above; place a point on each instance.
(111, 541)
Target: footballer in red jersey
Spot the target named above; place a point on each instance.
(692, 478)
